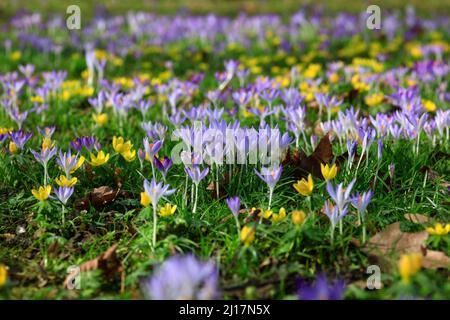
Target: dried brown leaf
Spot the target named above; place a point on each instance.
(107, 262)
(416, 218)
(435, 260)
(392, 239)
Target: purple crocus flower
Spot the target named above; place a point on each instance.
(67, 162)
(163, 165)
(143, 106)
(152, 148)
(27, 70)
(361, 201)
(242, 97)
(155, 130)
(340, 195)
(157, 190)
(322, 289)
(18, 117)
(20, 138)
(76, 144)
(234, 203)
(270, 175)
(89, 143)
(63, 193)
(196, 174)
(183, 277)
(47, 132)
(334, 214)
(45, 155)
(98, 102)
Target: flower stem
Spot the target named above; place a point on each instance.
(364, 233)
(217, 182)
(45, 175)
(238, 226)
(196, 198)
(270, 197)
(154, 226)
(153, 168)
(186, 184)
(332, 234)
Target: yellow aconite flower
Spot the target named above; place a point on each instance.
(439, 230)
(129, 155)
(247, 235)
(5, 130)
(37, 99)
(79, 164)
(265, 214)
(305, 188)
(409, 265)
(327, 172)
(145, 199)
(42, 193)
(429, 105)
(16, 55)
(374, 99)
(298, 217)
(47, 143)
(120, 145)
(3, 275)
(277, 217)
(100, 159)
(100, 119)
(63, 181)
(312, 70)
(334, 77)
(13, 147)
(167, 210)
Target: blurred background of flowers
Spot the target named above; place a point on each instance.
(222, 7)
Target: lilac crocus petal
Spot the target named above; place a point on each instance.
(361, 201)
(152, 148)
(47, 131)
(234, 203)
(63, 193)
(88, 142)
(67, 162)
(340, 195)
(270, 175)
(196, 174)
(322, 289)
(45, 155)
(163, 165)
(20, 138)
(183, 277)
(76, 144)
(157, 190)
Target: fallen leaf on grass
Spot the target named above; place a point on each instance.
(393, 240)
(99, 198)
(416, 218)
(107, 262)
(435, 260)
(304, 164)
